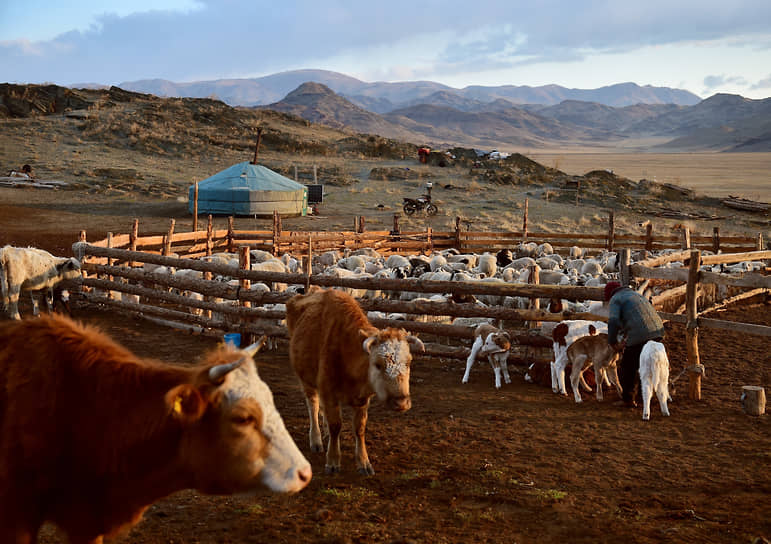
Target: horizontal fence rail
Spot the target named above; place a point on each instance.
(112, 266)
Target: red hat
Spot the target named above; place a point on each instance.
(610, 288)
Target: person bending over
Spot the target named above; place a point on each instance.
(632, 321)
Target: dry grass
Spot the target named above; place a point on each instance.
(717, 174)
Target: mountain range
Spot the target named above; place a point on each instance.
(719, 123)
(623, 115)
(383, 97)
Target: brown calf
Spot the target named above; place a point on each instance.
(340, 358)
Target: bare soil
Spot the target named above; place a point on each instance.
(468, 463)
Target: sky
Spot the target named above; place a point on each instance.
(703, 46)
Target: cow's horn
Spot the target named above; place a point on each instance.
(252, 349)
(216, 373)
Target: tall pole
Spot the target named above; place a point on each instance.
(257, 147)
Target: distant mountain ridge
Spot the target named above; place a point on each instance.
(382, 97)
(722, 122)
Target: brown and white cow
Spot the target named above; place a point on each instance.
(33, 270)
(91, 435)
(340, 358)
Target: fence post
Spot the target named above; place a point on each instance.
(649, 237)
(624, 263)
(109, 263)
(457, 232)
(169, 236)
(611, 231)
(82, 236)
(209, 234)
(195, 207)
(524, 222)
(716, 240)
(133, 235)
(430, 239)
(760, 241)
(295, 172)
(315, 176)
(685, 243)
(396, 224)
(308, 267)
(362, 224)
(230, 234)
(275, 232)
(244, 263)
(695, 369)
(534, 278)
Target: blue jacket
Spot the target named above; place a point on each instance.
(630, 314)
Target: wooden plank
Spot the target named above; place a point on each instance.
(725, 258)
(748, 280)
(664, 259)
(676, 274)
(749, 328)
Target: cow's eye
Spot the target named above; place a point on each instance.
(243, 420)
(379, 365)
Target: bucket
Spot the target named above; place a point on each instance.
(234, 339)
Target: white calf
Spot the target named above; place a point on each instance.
(494, 344)
(654, 376)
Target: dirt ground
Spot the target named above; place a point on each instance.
(471, 464)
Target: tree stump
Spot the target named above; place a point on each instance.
(754, 400)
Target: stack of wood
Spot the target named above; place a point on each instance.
(746, 205)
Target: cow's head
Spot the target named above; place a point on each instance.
(234, 438)
(496, 342)
(68, 269)
(389, 365)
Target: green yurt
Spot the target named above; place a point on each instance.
(249, 189)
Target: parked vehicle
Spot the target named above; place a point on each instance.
(423, 202)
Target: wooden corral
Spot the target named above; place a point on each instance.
(277, 241)
(113, 265)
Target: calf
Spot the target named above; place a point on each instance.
(31, 269)
(494, 344)
(340, 358)
(654, 376)
(564, 334)
(91, 435)
(594, 349)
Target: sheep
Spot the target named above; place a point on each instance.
(352, 263)
(594, 348)
(494, 344)
(437, 261)
(487, 265)
(654, 377)
(260, 256)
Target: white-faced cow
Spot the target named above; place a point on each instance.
(340, 358)
(33, 270)
(91, 435)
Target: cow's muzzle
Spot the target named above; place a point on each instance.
(400, 404)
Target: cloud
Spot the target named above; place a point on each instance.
(715, 81)
(764, 83)
(246, 38)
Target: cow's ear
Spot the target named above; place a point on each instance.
(185, 403)
(367, 345)
(415, 341)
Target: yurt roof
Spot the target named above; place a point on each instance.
(246, 175)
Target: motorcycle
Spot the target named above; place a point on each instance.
(412, 205)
